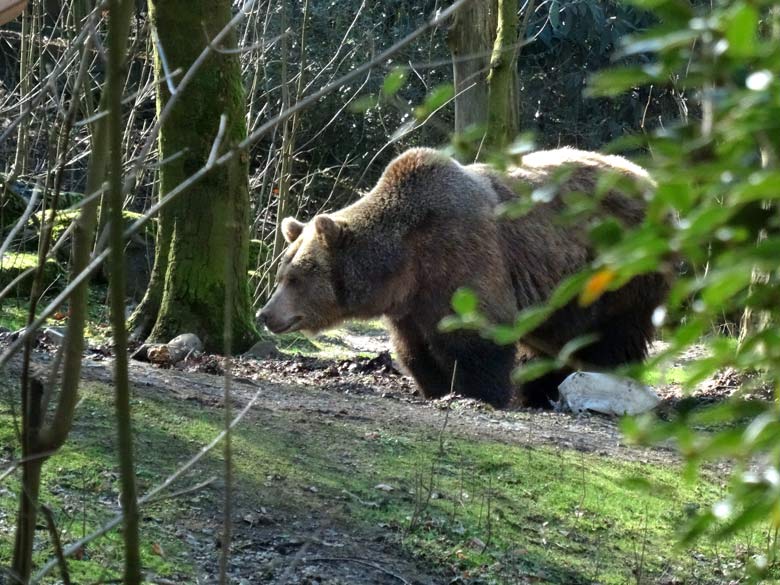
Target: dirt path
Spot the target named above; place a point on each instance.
(383, 399)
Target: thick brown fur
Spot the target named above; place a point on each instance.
(429, 227)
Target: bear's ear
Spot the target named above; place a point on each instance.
(291, 229)
(328, 229)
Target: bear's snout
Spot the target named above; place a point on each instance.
(277, 320)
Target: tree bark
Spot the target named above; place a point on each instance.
(207, 227)
(503, 104)
(470, 38)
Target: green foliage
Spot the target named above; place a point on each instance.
(715, 213)
(713, 223)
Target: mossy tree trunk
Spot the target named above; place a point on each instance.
(470, 39)
(503, 102)
(203, 236)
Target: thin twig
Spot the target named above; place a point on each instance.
(183, 492)
(57, 544)
(217, 141)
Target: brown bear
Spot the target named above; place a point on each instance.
(430, 226)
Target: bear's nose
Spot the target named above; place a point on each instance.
(262, 317)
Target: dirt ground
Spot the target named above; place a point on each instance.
(314, 544)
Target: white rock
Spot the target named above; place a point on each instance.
(186, 342)
(607, 394)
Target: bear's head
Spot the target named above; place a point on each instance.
(307, 295)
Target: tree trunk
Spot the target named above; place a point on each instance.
(26, 519)
(470, 38)
(503, 104)
(140, 323)
(206, 229)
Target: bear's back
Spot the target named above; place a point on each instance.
(422, 181)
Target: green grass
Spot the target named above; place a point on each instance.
(480, 508)
(13, 314)
(333, 344)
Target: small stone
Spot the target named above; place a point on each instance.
(262, 350)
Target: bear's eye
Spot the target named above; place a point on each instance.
(292, 280)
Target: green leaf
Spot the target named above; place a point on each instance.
(689, 332)
(613, 82)
(523, 144)
(394, 81)
(450, 323)
(533, 370)
(574, 345)
(435, 100)
(363, 104)
(656, 43)
(728, 442)
(706, 221)
(724, 284)
(555, 14)
(529, 319)
(464, 301)
(752, 514)
(504, 335)
(671, 11)
(607, 232)
(741, 31)
(697, 527)
(569, 288)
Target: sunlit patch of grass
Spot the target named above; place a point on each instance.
(333, 344)
(368, 327)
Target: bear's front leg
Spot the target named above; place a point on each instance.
(483, 370)
(416, 359)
